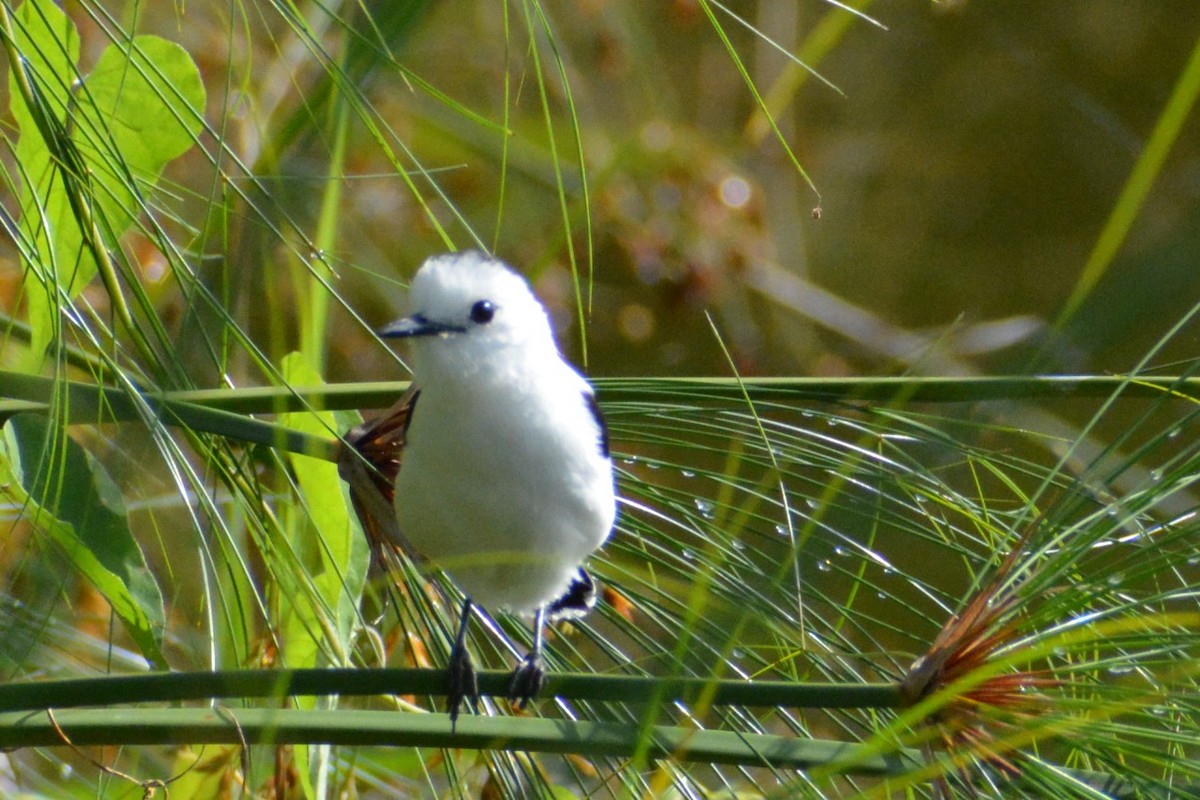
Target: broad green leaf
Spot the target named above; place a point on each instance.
(49, 44)
(328, 541)
(47, 40)
(150, 97)
(331, 545)
(139, 109)
(67, 494)
(112, 133)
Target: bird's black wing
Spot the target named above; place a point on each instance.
(577, 600)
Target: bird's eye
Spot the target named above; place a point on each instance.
(482, 312)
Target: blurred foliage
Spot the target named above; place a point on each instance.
(965, 168)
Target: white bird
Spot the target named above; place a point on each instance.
(505, 480)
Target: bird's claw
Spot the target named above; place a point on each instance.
(527, 680)
(462, 683)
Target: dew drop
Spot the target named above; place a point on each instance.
(825, 566)
(705, 507)
(687, 473)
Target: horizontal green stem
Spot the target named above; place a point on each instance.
(87, 403)
(24, 723)
(274, 399)
(396, 729)
(225, 411)
(184, 686)
(914, 389)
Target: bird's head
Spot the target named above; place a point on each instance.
(467, 310)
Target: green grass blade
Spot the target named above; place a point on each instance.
(1137, 186)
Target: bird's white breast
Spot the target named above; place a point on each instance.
(503, 483)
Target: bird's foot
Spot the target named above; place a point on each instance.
(527, 680)
(462, 683)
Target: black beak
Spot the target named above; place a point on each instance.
(417, 325)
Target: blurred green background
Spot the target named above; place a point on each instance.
(965, 172)
(965, 162)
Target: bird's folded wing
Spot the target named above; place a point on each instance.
(368, 462)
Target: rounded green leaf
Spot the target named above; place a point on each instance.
(150, 99)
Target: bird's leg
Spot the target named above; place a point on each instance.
(462, 674)
(530, 674)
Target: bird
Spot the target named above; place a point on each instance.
(503, 478)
